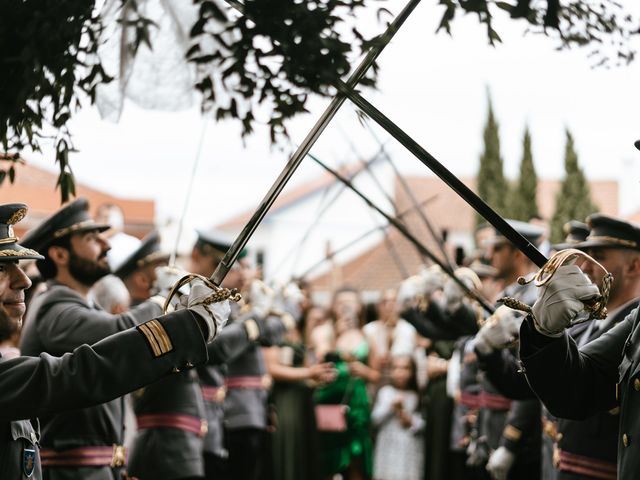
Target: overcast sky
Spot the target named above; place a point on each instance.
(433, 86)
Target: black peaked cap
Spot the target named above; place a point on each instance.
(72, 218)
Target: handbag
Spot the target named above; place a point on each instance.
(333, 417)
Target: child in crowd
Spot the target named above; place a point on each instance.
(399, 443)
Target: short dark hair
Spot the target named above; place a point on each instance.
(47, 268)
(206, 249)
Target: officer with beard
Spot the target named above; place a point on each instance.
(41, 386)
(82, 444)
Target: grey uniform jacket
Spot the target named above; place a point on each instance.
(169, 453)
(34, 386)
(58, 321)
(518, 427)
(247, 407)
(577, 383)
(241, 358)
(166, 453)
(229, 344)
(212, 380)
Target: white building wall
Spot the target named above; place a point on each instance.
(280, 235)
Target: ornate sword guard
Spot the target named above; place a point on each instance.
(219, 295)
(596, 308)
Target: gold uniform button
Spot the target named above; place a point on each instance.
(625, 440)
(636, 384)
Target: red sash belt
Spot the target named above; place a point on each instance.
(470, 400)
(591, 467)
(213, 394)
(491, 401)
(187, 423)
(485, 400)
(114, 456)
(256, 383)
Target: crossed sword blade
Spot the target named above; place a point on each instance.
(240, 242)
(347, 90)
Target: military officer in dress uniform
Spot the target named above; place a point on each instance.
(597, 372)
(234, 381)
(138, 269)
(77, 444)
(512, 429)
(576, 232)
(170, 413)
(44, 385)
(206, 254)
(503, 369)
(463, 386)
(588, 448)
(581, 449)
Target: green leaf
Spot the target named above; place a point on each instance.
(507, 7)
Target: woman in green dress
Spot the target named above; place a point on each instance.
(348, 452)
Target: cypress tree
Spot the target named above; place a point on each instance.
(573, 200)
(522, 204)
(492, 185)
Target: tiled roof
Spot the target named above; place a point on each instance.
(294, 195)
(375, 269)
(634, 217)
(37, 188)
(379, 267)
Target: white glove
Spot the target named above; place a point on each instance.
(291, 293)
(432, 280)
(166, 277)
(289, 299)
(215, 314)
(260, 298)
(453, 295)
(499, 330)
(409, 291)
(453, 292)
(500, 462)
(561, 299)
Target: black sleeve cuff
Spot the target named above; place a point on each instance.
(531, 340)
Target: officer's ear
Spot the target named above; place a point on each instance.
(632, 265)
(141, 280)
(59, 255)
(518, 256)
